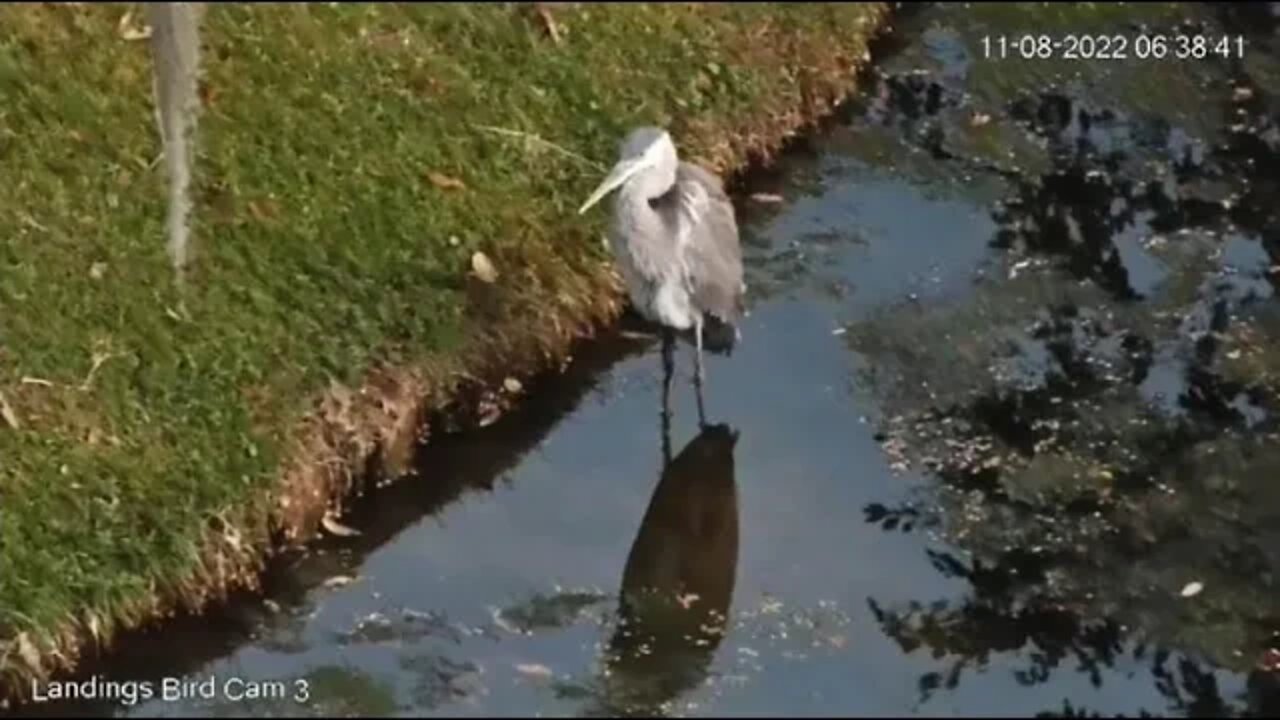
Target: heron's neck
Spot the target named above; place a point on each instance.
(638, 213)
(640, 197)
(652, 183)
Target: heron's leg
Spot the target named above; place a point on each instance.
(697, 371)
(668, 371)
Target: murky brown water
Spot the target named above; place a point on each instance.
(1000, 440)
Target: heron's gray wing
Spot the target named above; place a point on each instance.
(707, 238)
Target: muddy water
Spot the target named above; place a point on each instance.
(1000, 439)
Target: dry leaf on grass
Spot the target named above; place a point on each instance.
(131, 31)
(489, 415)
(27, 651)
(94, 626)
(6, 411)
(483, 267)
(444, 182)
(263, 210)
(1192, 589)
(767, 198)
(336, 528)
(548, 21)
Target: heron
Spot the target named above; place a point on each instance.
(674, 237)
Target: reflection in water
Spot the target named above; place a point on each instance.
(678, 580)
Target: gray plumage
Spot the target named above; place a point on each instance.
(713, 257)
(674, 236)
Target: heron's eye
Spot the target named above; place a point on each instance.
(654, 202)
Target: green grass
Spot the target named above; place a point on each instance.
(321, 246)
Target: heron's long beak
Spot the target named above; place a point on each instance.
(618, 175)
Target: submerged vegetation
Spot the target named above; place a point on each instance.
(1101, 415)
(384, 204)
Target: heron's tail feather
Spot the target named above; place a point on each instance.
(718, 336)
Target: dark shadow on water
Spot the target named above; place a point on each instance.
(678, 581)
(468, 458)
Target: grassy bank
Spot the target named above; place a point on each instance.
(352, 160)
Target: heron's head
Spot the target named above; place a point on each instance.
(646, 151)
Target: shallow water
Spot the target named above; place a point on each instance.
(990, 429)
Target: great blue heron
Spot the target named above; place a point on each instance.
(675, 240)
